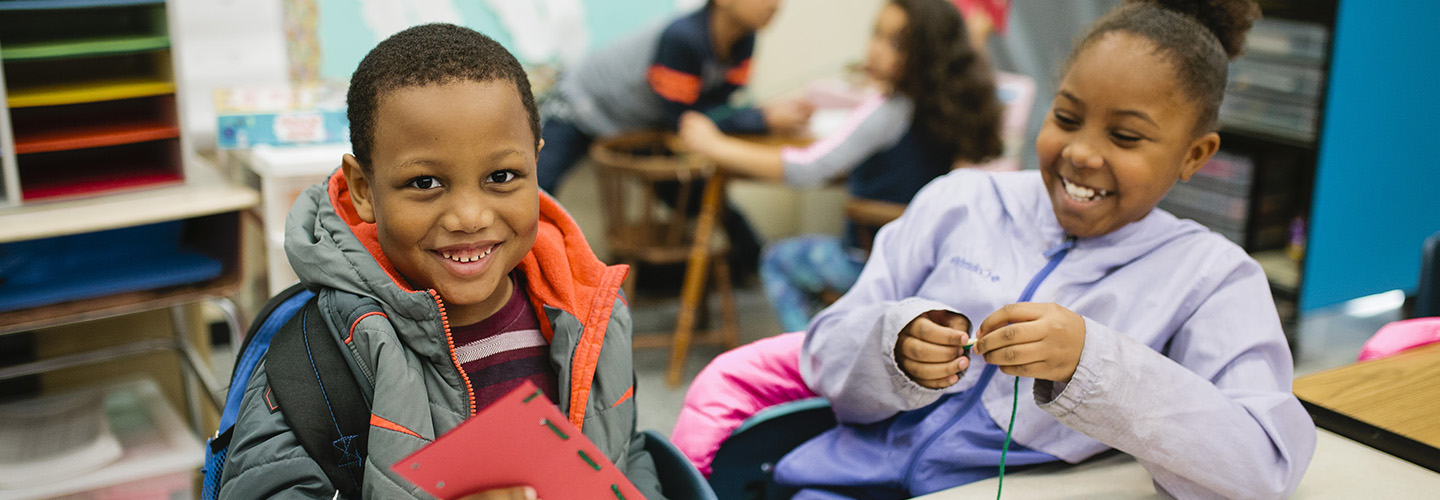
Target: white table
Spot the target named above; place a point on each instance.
(1341, 469)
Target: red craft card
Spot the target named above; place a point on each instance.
(520, 440)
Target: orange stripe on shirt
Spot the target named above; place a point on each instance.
(674, 85)
(739, 75)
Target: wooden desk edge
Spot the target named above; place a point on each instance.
(1327, 416)
(1374, 436)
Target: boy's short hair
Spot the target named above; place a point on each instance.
(428, 54)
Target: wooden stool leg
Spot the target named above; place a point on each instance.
(729, 327)
(704, 316)
(695, 271)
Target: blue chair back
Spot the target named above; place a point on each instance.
(679, 479)
(744, 466)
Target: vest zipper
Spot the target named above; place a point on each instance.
(1055, 254)
(450, 342)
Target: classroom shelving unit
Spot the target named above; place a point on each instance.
(91, 140)
(1330, 114)
(1257, 190)
(89, 86)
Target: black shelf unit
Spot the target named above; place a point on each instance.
(1272, 85)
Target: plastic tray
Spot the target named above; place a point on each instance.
(159, 459)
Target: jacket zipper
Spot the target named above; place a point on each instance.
(450, 342)
(1055, 255)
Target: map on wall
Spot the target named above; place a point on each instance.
(539, 32)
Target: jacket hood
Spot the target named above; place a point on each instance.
(329, 246)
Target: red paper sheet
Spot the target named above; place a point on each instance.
(520, 440)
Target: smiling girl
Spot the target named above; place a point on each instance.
(1103, 323)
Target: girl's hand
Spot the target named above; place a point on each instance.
(698, 132)
(1034, 340)
(930, 349)
(516, 493)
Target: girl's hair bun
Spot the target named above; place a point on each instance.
(1229, 20)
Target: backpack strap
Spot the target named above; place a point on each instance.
(320, 398)
(276, 312)
(273, 315)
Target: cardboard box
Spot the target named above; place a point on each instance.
(281, 116)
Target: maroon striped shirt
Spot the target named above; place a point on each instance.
(503, 351)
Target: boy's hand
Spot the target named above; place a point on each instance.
(1034, 340)
(516, 493)
(930, 349)
(698, 132)
(788, 117)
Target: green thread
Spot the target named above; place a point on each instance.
(552, 427)
(532, 396)
(616, 490)
(1004, 450)
(592, 463)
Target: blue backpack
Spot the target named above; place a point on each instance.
(312, 384)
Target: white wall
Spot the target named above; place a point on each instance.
(810, 39)
(224, 43)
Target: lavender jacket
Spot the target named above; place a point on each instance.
(1185, 366)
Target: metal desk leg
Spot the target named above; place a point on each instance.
(196, 368)
(233, 319)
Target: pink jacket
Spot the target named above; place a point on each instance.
(734, 386)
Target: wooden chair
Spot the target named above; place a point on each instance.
(868, 216)
(640, 228)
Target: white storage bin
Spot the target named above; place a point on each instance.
(286, 171)
(279, 274)
(282, 173)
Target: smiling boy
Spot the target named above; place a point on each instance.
(484, 283)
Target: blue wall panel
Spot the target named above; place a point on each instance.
(1377, 185)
